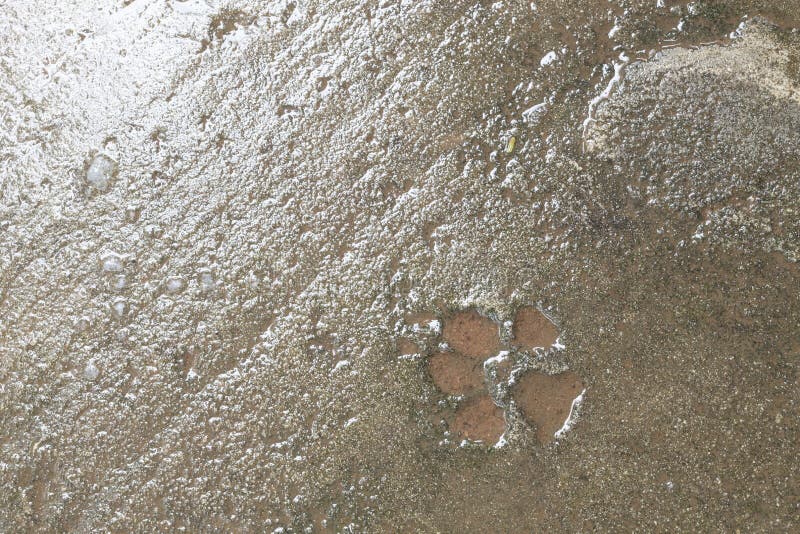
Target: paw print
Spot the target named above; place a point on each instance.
(495, 379)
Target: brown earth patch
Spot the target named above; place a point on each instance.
(454, 373)
(472, 334)
(546, 400)
(479, 419)
(533, 329)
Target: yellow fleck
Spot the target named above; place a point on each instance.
(512, 141)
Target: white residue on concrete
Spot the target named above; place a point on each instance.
(548, 58)
(341, 364)
(572, 417)
(351, 421)
(532, 114)
(616, 80)
(500, 357)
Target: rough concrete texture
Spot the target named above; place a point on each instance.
(231, 233)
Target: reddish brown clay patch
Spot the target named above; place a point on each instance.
(472, 334)
(532, 329)
(455, 374)
(546, 400)
(479, 419)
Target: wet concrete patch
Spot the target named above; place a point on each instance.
(355, 180)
